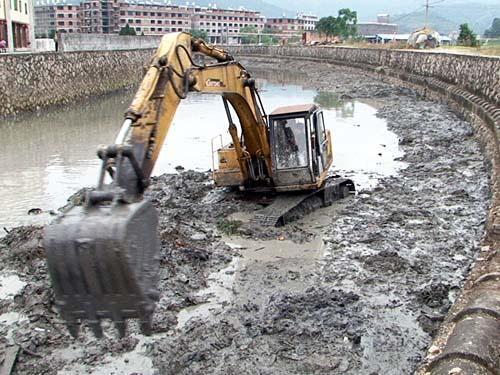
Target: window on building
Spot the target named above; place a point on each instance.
(61, 23)
(137, 21)
(160, 22)
(60, 15)
(137, 29)
(174, 22)
(152, 21)
(25, 8)
(70, 15)
(160, 29)
(70, 23)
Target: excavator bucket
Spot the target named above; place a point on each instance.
(104, 262)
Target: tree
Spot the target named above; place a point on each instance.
(347, 22)
(467, 36)
(127, 30)
(269, 39)
(494, 30)
(344, 25)
(249, 39)
(199, 34)
(327, 26)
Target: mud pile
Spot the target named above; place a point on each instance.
(356, 288)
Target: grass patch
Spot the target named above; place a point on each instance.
(229, 227)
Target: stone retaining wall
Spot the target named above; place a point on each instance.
(34, 80)
(478, 75)
(106, 42)
(469, 338)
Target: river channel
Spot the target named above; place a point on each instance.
(47, 156)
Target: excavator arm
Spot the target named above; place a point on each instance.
(103, 256)
(171, 75)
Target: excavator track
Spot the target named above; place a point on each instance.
(288, 207)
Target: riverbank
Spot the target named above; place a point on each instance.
(358, 288)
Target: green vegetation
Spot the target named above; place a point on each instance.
(494, 30)
(249, 39)
(269, 39)
(199, 34)
(343, 25)
(127, 30)
(229, 227)
(467, 37)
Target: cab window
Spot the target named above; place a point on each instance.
(290, 143)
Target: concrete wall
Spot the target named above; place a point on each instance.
(45, 45)
(31, 81)
(477, 74)
(105, 42)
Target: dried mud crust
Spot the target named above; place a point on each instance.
(392, 262)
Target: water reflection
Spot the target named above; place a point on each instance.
(45, 158)
(332, 100)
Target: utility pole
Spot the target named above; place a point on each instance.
(426, 13)
(8, 20)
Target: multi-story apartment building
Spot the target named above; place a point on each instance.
(145, 17)
(310, 21)
(285, 25)
(99, 16)
(225, 25)
(154, 19)
(52, 17)
(16, 23)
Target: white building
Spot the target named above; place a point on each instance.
(16, 24)
(310, 21)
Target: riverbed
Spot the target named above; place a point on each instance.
(356, 288)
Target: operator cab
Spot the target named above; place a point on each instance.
(300, 147)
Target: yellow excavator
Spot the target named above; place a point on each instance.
(103, 256)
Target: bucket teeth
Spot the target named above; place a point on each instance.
(103, 264)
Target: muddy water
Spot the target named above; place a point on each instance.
(44, 158)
